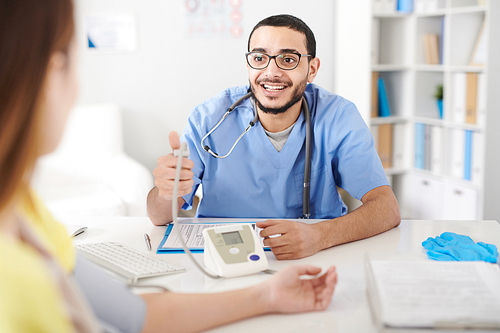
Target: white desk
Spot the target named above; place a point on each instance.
(349, 310)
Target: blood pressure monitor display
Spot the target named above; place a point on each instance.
(231, 238)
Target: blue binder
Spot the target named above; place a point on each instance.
(405, 6)
(468, 155)
(419, 145)
(383, 107)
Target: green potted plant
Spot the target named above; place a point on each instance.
(439, 97)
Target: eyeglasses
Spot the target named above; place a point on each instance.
(286, 61)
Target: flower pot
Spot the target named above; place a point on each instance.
(440, 107)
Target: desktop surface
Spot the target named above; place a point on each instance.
(349, 310)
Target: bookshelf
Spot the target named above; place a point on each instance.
(438, 159)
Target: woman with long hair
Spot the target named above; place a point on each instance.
(44, 286)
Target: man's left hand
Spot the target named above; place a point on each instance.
(297, 239)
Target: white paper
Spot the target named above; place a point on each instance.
(437, 294)
(193, 235)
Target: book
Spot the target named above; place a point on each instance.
(419, 145)
(423, 295)
(385, 144)
(471, 99)
(383, 101)
(192, 234)
(374, 106)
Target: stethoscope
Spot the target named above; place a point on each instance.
(307, 166)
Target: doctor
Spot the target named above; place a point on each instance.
(263, 176)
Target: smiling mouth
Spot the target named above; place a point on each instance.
(273, 88)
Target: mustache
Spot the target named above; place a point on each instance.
(282, 82)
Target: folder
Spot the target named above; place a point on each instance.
(193, 237)
(468, 155)
(436, 149)
(374, 106)
(385, 144)
(457, 151)
(419, 145)
(427, 147)
(384, 110)
(477, 160)
(398, 145)
(405, 6)
(459, 86)
(424, 295)
(471, 99)
(482, 97)
(431, 44)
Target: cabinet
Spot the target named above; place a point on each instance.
(438, 157)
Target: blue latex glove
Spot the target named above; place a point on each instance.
(454, 247)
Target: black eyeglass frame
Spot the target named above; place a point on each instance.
(275, 61)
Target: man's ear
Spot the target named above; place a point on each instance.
(313, 69)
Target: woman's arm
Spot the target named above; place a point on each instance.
(285, 292)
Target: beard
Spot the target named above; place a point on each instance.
(297, 94)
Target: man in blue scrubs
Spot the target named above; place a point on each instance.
(263, 176)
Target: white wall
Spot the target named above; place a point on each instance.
(167, 76)
(353, 34)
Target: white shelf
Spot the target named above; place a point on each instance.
(390, 68)
(448, 124)
(398, 56)
(388, 120)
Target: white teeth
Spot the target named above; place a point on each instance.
(273, 87)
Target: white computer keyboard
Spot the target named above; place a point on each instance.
(126, 261)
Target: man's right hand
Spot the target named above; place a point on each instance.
(164, 172)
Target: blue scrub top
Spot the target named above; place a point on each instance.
(257, 181)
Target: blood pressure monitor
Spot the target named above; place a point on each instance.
(233, 250)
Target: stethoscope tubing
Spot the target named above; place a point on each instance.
(307, 165)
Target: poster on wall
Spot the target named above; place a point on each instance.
(213, 18)
(111, 32)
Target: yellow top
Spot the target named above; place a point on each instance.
(53, 235)
(30, 300)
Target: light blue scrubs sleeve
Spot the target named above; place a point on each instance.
(116, 307)
(358, 168)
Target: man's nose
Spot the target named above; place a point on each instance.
(272, 69)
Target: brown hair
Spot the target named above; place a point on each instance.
(30, 32)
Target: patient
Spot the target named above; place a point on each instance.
(44, 286)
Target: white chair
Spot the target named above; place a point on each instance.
(89, 174)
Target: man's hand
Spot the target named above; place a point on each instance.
(164, 172)
(287, 292)
(297, 240)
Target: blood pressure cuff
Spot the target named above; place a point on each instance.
(116, 307)
(454, 247)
